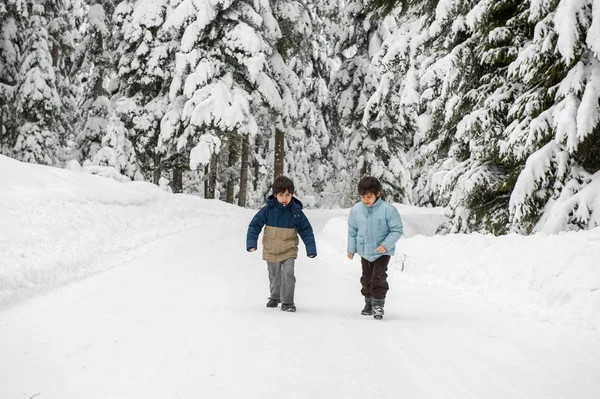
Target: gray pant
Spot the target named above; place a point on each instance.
(282, 280)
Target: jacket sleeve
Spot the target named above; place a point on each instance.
(255, 227)
(394, 223)
(306, 233)
(352, 232)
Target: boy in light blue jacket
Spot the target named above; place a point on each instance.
(374, 226)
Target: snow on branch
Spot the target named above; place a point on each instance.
(588, 114)
(222, 105)
(569, 15)
(544, 174)
(577, 207)
(200, 155)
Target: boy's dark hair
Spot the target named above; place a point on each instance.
(369, 184)
(281, 184)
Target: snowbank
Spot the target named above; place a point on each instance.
(421, 221)
(59, 225)
(551, 277)
(41, 183)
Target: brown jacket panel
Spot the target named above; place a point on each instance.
(279, 243)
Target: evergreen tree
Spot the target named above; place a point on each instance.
(116, 152)
(11, 23)
(223, 82)
(143, 57)
(500, 86)
(390, 114)
(305, 119)
(64, 20)
(480, 195)
(474, 180)
(44, 94)
(37, 99)
(350, 87)
(92, 58)
(442, 70)
(557, 117)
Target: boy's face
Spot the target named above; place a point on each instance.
(369, 198)
(284, 198)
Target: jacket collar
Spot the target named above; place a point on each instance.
(376, 204)
(294, 205)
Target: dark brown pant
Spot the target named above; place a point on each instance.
(374, 278)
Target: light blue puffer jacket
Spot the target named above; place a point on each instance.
(370, 227)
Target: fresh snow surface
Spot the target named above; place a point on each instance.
(119, 290)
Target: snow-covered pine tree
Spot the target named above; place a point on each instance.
(288, 13)
(474, 180)
(319, 121)
(305, 121)
(38, 102)
(64, 19)
(349, 90)
(116, 152)
(391, 111)
(556, 124)
(434, 70)
(294, 136)
(45, 95)
(479, 199)
(92, 58)
(223, 82)
(443, 59)
(11, 23)
(261, 159)
(143, 58)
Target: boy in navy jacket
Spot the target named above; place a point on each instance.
(284, 220)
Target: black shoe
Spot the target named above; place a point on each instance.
(378, 311)
(272, 303)
(288, 307)
(367, 310)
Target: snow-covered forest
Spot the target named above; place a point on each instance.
(490, 108)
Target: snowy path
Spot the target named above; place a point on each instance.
(187, 320)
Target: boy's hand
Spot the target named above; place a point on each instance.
(252, 249)
(350, 256)
(381, 249)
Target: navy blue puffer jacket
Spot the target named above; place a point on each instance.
(280, 237)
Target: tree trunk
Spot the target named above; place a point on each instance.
(234, 151)
(157, 170)
(257, 142)
(98, 74)
(1, 127)
(212, 179)
(279, 153)
(244, 171)
(177, 184)
(364, 169)
(55, 53)
(98, 89)
(205, 178)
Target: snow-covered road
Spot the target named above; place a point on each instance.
(186, 319)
